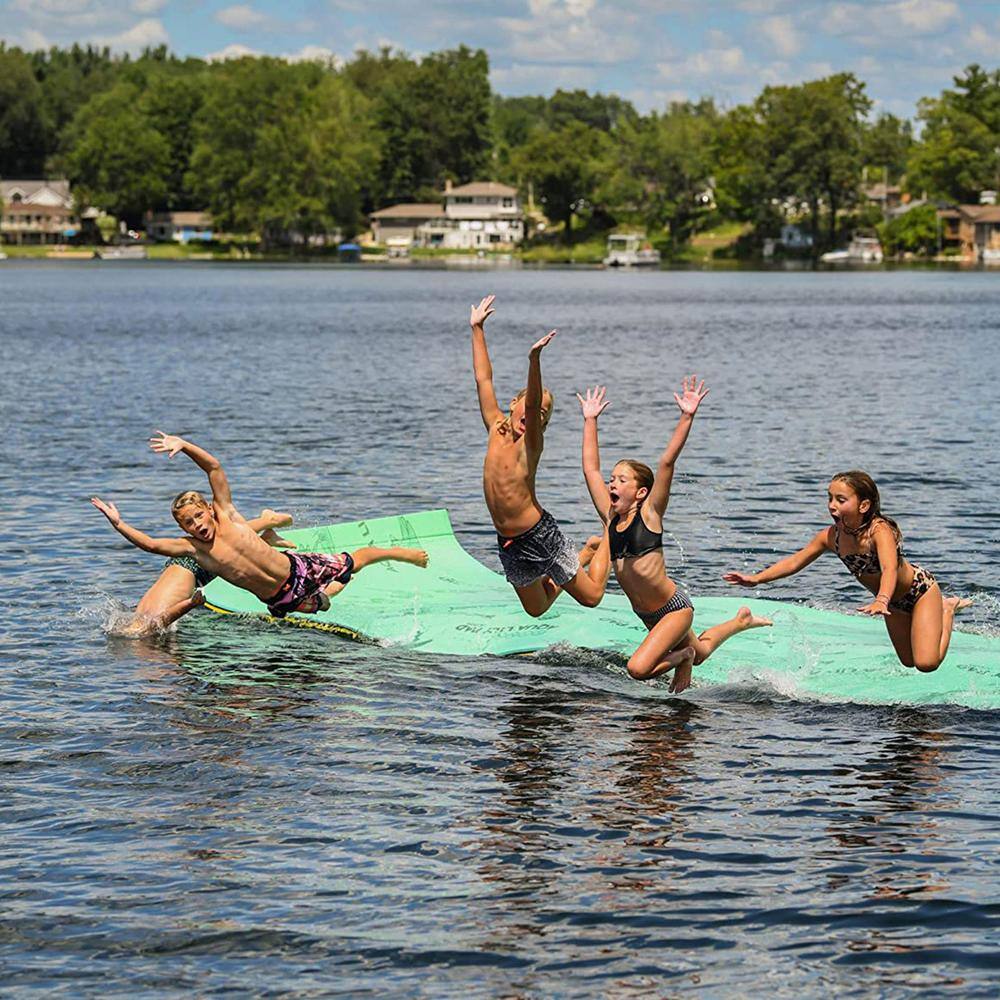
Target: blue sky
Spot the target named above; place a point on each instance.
(650, 51)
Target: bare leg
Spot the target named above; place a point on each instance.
(538, 597)
(931, 626)
(178, 610)
(656, 653)
(898, 627)
(370, 554)
(145, 625)
(587, 587)
(712, 638)
(951, 605)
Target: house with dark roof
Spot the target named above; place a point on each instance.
(974, 230)
(180, 227)
(478, 216)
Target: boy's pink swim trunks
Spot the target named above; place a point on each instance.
(309, 572)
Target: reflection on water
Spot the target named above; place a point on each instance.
(232, 806)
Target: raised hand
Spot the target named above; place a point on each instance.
(480, 313)
(740, 579)
(693, 392)
(536, 347)
(595, 402)
(109, 510)
(169, 443)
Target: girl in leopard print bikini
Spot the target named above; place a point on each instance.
(919, 620)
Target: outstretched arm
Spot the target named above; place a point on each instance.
(533, 397)
(161, 546)
(784, 567)
(481, 365)
(222, 498)
(693, 393)
(593, 406)
(885, 545)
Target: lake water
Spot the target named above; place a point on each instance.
(240, 808)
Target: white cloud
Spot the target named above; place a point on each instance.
(232, 51)
(782, 34)
(147, 33)
(240, 16)
(925, 16)
(568, 32)
(719, 62)
(148, 6)
(315, 53)
(521, 78)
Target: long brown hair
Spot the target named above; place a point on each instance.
(864, 486)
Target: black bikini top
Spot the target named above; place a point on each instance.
(636, 540)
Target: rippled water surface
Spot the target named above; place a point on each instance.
(239, 808)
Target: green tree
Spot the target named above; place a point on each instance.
(916, 231)
(24, 127)
(565, 167)
(886, 145)
(432, 119)
(812, 144)
(660, 168)
(959, 150)
(116, 158)
(281, 149)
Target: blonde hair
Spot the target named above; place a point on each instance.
(186, 498)
(546, 414)
(642, 472)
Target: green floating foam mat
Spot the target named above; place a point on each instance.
(458, 606)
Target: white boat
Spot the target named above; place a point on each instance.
(990, 256)
(626, 250)
(3, 256)
(861, 250)
(122, 253)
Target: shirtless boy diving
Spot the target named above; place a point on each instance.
(223, 544)
(538, 560)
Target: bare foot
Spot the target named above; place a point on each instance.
(748, 619)
(587, 552)
(682, 669)
(954, 604)
(415, 556)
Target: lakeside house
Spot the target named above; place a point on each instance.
(37, 211)
(180, 227)
(476, 216)
(972, 230)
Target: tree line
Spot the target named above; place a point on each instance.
(291, 149)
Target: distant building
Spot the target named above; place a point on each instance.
(36, 211)
(974, 230)
(477, 216)
(889, 196)
(180, 227)
(794, 237)
(402, 222)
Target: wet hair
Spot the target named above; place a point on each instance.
(185, 499)
(546, 414)
(865, 488)
(643, 473)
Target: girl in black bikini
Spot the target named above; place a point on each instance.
(869, 544)
(632, 504)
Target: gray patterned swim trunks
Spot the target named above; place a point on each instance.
(541, 551)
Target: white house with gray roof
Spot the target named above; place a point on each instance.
(482, 215)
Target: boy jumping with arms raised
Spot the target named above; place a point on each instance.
(222, 543)
(538, 560)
